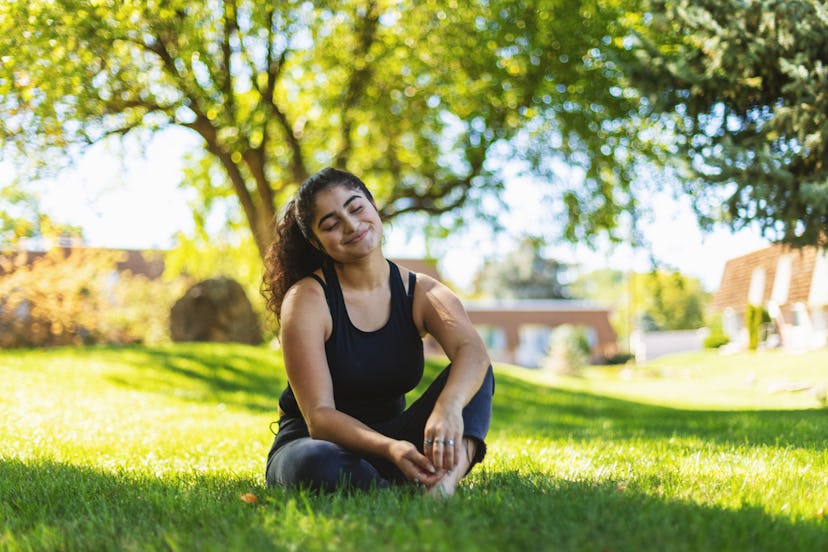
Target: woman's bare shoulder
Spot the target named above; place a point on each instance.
(307, 298)
(427, 284)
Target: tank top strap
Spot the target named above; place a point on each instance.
(333, 295)
(320, 280)
(412, 281)
(400, 299)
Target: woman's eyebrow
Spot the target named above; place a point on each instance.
(332, 213)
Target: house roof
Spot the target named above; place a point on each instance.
(738, 272)
(144, 263)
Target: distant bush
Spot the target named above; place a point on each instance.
(80, 298)
(756, 317)
(714, 341)
(141, 308)
(715, 336)
(619, 358)
(569, 350)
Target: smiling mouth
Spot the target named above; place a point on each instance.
(357, 238)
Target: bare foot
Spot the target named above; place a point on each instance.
(445, 487)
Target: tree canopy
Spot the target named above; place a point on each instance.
(742, 87)
(420, 98)
(427, 99)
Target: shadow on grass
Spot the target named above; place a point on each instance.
(242, 376)
(48, 505)
(541, 411)
(252, 378)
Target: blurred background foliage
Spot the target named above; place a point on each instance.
(428, 101)
(78, 297)
(660, 300)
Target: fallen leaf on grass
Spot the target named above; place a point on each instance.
(249, 498)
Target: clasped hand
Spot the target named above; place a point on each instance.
(443, 437)
(442, 446)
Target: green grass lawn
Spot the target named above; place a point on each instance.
(152, 448)
(708, 380)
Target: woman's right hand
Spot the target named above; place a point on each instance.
(414, 465)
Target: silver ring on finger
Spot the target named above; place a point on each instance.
(429, 441)
(438, 442)
(450, 442)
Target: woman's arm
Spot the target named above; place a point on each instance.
(438, 311)
(305, 326)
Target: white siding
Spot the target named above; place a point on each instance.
(757, 287)
(819, 283)
(781, 281)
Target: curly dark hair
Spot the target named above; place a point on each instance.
(295, 251)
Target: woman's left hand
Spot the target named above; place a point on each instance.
(443, 436)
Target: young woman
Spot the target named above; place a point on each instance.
(351, 327)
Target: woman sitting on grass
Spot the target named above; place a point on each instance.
(351, 327)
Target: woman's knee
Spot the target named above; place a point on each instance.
(322, 465)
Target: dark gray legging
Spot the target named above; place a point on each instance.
(322, 465)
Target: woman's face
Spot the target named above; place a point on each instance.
(346, 223)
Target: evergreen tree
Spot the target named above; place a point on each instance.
(522, 274)
(741, 86)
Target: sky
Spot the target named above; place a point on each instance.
(137, 203)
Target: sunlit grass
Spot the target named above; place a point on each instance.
(710, 380)
(151, 448)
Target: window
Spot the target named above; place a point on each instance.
(782, 281)
(819, 337)
(494, 337)
(730, 323)
(534, 344)
(800, 315)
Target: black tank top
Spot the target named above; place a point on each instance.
(370, 371)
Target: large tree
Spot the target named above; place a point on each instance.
(422, 98)
(742, 86)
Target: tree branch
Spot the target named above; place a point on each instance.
(267, 93)
(358, 81)
(226, 82)
(159, 48)
(205, 128)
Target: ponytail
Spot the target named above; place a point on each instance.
(290, 258)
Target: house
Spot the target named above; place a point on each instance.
(790, 284)
(518, 331)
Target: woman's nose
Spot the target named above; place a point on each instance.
(348, 224)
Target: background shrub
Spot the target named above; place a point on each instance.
(569, 350)
(716, 337)
(76, 297)
(619, 358)
(755, 319)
